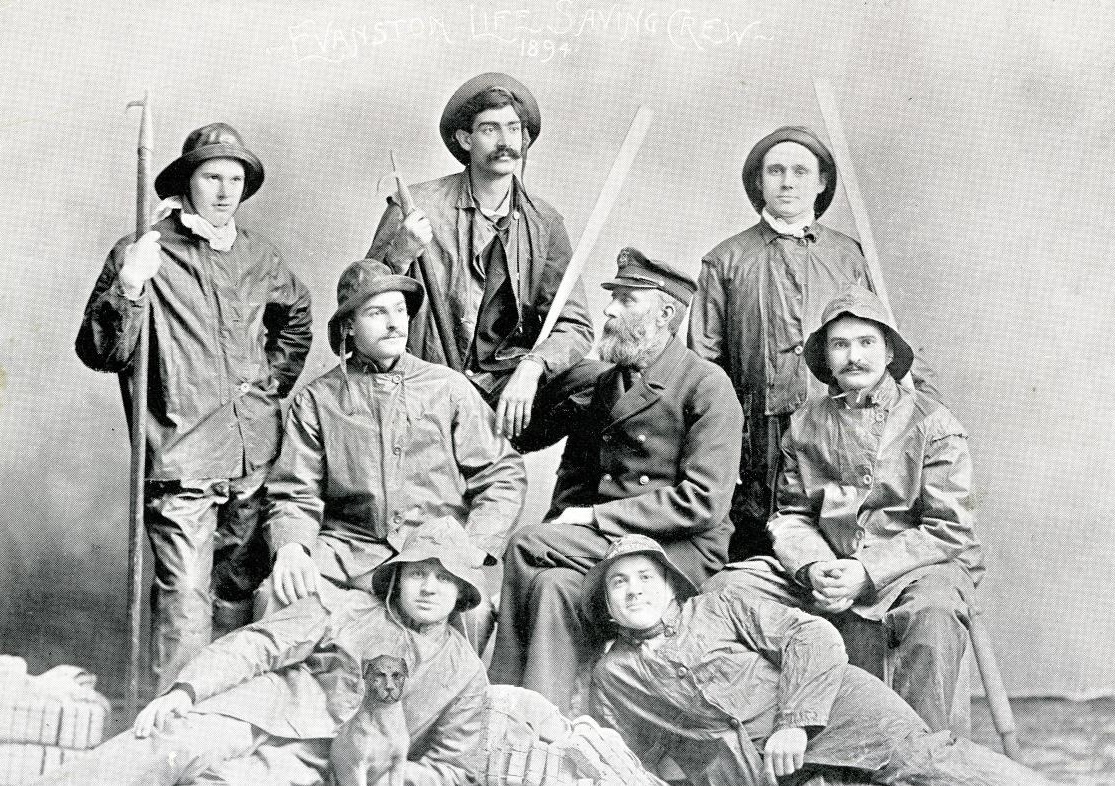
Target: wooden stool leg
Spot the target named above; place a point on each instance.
(1001, 714)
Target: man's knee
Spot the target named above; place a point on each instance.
(936, 614)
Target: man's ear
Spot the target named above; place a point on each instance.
(666, 313)
(464, 139)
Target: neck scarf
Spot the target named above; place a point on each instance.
(219, 238)
(797, 229)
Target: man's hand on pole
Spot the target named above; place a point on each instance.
(413, 236)
(295, 574)
(141, 262)
(513, 410)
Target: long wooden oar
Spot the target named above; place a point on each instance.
(138, 425)
(622, 165)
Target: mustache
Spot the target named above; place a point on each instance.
(504, 150)
(855, 367)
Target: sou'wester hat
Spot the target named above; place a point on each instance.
(216, 140)
(446, 541)
(474, 87)
(860, 302)
(362, 280)
(807, 139)
(594, 605)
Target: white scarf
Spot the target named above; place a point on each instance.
(797, 229)
(220, 238)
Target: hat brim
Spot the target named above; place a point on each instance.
(174, 180)
(412, 293)
(471, 579)
(815, 355)
(803, 137)
(594, 604)
(471, 89)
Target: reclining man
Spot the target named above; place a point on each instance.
(261, 704)
(874, 527)
(744, 692)
(379, 444)
(653, 448)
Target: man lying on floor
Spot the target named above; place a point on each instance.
(740, 691)
(260, 705)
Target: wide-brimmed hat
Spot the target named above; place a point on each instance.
(804, 137)
(365, 279)
(636, 271)
(858, 302)
(474, 87)
(594, 604)
(445, 540)
(216, 140)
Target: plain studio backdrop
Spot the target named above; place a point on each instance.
(982, 133)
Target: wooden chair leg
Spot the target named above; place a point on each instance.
(1001, 714)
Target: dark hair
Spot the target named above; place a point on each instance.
(492, 98)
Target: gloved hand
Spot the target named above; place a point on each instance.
(141, 262)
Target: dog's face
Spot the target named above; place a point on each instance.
(384, 679)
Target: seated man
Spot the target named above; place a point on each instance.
(261, 704)
(874, 527)
(711, 680)
(378, 444)
(653, 448)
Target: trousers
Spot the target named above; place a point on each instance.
(199, 748)
(917, 648)
(209, 549)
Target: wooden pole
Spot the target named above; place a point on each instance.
(443, 321)
(1002, 717)
(846, 174)
(622, 165)
(138, 427)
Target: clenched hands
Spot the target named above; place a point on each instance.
(837, 584)
(295, 575)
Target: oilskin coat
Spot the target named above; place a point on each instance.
(230, 332)
(369, 455)
(299, 675)
(538, 252)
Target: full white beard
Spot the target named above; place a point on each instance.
(632, 345)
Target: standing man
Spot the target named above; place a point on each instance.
(380, 444)
(230, 330)
(760, 293)
(497, 255)
(874, 526)
(653, 448)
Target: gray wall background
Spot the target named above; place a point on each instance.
(982, 134)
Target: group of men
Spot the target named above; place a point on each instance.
(790, 420)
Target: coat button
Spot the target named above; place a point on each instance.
(397, 518)
(867, 480)
(642, 437)
(798, 349)
(733, 722)
(396, 378)
(682, 671)
(607, 478)
(397, 450)
(606, 438)
(643, 480)
(245, 387)
(469, 372)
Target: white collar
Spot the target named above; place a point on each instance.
(796, 229)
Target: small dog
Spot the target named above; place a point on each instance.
(371, 748)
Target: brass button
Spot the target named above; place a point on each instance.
(469, 372)
(245, 387)
(867, 480)
(798, 349)
(606, 477)
(642, 437)
(682, 671)
(733, 722)
(643, 480)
